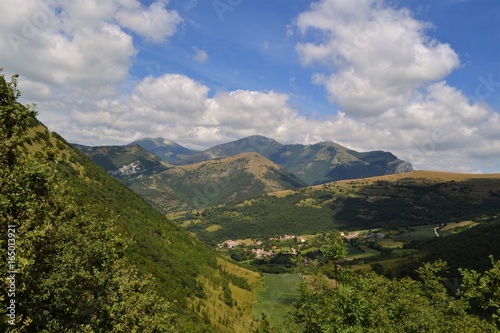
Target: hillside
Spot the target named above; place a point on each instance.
(175, 188)
(206, 292)
(168, 151)
(327, 161)
(314, 164)
(123, 161)
(402, 200)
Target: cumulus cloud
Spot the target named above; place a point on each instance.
(440, 129)
(80, 48)
(377, 63)
(155, 23)
(378, 56)
(178, 107)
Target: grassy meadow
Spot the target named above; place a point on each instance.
(276, 296)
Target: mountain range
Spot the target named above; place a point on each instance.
(314, 164)
(171, 188)
(174, 178)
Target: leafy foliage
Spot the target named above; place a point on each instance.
(372, 303)
(71, 274)
(95, 256)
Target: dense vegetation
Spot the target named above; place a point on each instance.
(94, 257)
(67, 270)
(333, 299)
(468, 249)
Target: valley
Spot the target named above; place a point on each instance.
(260, 213)
(260, 252)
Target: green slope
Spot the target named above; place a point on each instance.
(394, 201)
(187, 271)
(172, 188)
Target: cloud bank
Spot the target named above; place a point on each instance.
(379, 66)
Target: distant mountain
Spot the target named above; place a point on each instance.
(256, 143)
(168, 151)
(314, 164)
(175, 188)
(125, 161)
(327, 161)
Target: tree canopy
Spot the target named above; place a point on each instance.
(368, 302)
(66, 269)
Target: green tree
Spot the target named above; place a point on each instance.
(372, 303)
(482, 291)
(334, 250)
(69, 269)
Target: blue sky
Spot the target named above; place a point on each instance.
(248, 46)
(419, 78)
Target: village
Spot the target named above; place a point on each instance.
(287, 244)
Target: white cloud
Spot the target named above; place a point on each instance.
(378, 56)
(439, 130)
(78, 48)
(379, 65)
(177, 107)
(199, 54)
(155, 23)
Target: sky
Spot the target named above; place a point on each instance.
(419, 78)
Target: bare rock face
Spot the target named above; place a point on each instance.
(128, 169)
(400, 167)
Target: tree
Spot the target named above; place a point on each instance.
(66, 269)
(482, 291)
(334, 250)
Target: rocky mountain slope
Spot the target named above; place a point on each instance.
(124, 161)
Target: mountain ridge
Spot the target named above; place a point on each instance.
(169, 151)
(171, 188)
(314, 163)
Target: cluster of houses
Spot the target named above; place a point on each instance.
(262, 253)
(356, 235)
(289, 237)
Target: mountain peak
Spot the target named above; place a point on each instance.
(169, 151)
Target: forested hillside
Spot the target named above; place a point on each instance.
(174, 188)
(91, 256)
(393, 201)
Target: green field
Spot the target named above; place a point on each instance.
(421, 232)
(276, 297)
(354, 253)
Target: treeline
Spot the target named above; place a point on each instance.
(266, 216)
